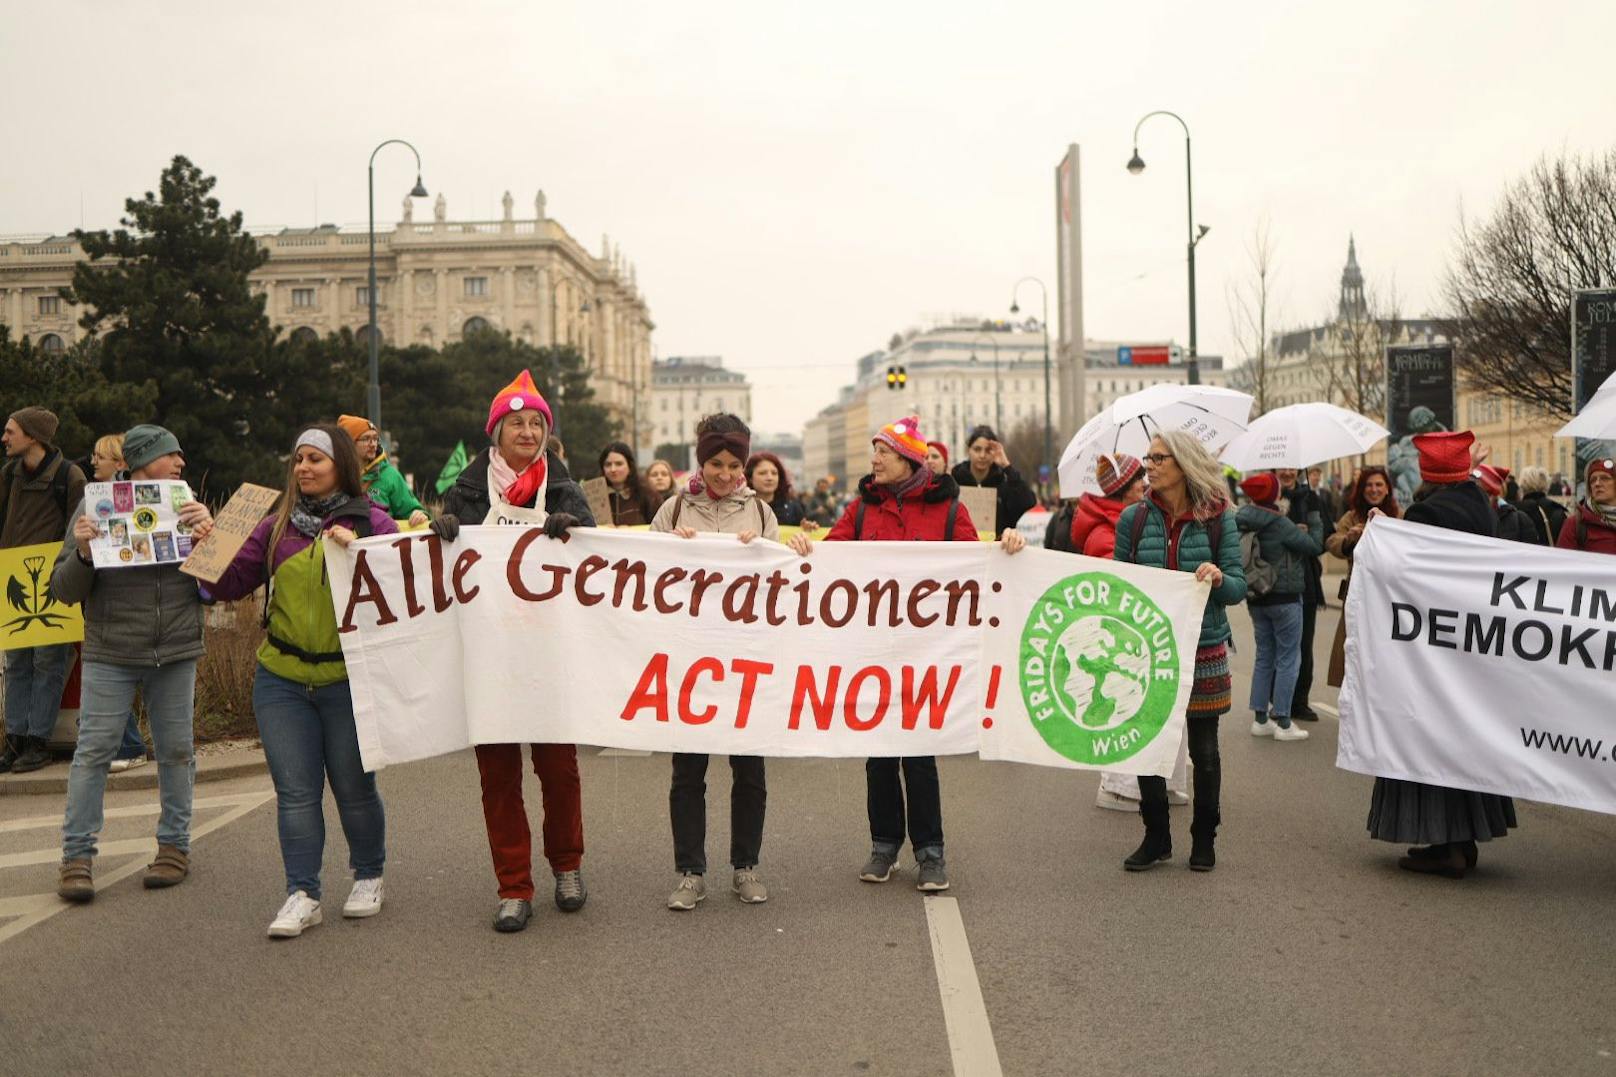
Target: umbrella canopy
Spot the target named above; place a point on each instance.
(1302, 435)
(1597, 419)
(1213, 415)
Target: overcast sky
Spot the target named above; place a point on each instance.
(795, 185)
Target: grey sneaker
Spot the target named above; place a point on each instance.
(570, 894)
(879, 868)
(512, 915)
(690, 890)
(932, 875)
(748, 888)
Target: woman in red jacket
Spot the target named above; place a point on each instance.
(1094, 524)
(1593, 526)
(902, 500)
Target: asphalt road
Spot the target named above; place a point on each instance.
(1307, 951)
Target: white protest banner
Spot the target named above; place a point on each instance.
(1481, 664)
(138, 522)
(636, 640)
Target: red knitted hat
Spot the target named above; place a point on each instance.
(1445, 456)
(1604, 464)
(1114, 471)
(1491, 479)
(940, 447)
(520, 393)
(904, 439)
(1263, 487)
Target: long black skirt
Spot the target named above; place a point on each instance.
(1414, 813)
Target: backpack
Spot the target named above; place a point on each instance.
(1058, 535)
(948, 528)
(58, 486)
(1261, 576)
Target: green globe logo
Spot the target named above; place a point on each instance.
(1099, 668)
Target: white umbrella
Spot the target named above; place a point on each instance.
(1597, 419)
(1301, 435)
(1213, 415)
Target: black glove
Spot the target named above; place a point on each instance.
(446, 527)
(557, 523)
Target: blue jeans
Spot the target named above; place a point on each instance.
(133, 747)
(1279, 656)
(34, 679)
(309, 735)
(107, 693)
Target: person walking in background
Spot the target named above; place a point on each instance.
(1447, 823)
(38, 490)
(821, 508)
(902, 499)
(1300, 503)
(1184, 524)
(382, 480)
(1276, 603)
(937, 457)
(142, 632)
(1546, 514)
(632, 501)
(1513, 524)
(106, 465)
(989, 466)
(659, 480)
(768, 477)
(1372, 491)
(718, 500)
(519, 481)
(1592, 527)
(1329, 501)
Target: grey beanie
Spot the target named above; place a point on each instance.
(147, 442)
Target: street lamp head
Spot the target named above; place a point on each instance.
(1015, 308)
(1136, 163)
(418, 191)
(1201, 230)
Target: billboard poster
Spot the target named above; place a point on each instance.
(1421, 397)
(1593, 361)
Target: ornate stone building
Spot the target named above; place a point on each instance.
(436, 281)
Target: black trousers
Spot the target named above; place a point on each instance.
(1304, 672)
(919, 791)
(687, 807)
(1207, 775)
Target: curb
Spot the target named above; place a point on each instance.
(53, 779)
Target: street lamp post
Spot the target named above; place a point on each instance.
(998, 411)
(1136, 165)
(1049, 429)
(374, 393)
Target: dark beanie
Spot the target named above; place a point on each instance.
(37, 423)
(145, 443)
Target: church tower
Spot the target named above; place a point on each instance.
(1353, 306)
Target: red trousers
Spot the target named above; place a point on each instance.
(509, 839)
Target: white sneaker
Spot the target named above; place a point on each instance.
(1177, 798)
(1105, 798)
(1263, 729)
(118, 766)
(365, 899)
(1293, 732)
(299, 912)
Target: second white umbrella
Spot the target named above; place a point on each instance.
(1301, 435)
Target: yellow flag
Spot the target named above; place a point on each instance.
(31, 616)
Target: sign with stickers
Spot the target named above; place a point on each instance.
(138, 523)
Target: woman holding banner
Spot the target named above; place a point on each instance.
(300, 692)
(505, 485)
(1371, 491)
(1185, 524)
(1593, 526)
(718, 500)
(902, 499)
(1448, 821)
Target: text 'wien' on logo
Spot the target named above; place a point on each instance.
(1099, 668)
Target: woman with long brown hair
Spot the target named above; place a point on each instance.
(631, 498)
(1371, 490)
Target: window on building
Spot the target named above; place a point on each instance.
(50, 304)
(362, 334)
(304, 335)
(302, 297)
(362, 296)
(52, 343)
(475, 325)
(476, 287)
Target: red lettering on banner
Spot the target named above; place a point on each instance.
(365, 589)
(850, 708)
(587, 568)
(750, 671)
(688, 686)
(434, 557)
(462, 566)
(824, 706)
(925, 694)
(406, 564)
(651, 691)
(513, 569)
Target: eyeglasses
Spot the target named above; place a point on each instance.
(1157, 459)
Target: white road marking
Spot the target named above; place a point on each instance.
(1327, 709)
(31, 910)
(970, 1036)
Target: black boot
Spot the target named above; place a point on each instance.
(35, 755)
(1158, 843)
(9, 757)
(1203, 830)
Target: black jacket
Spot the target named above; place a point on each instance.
(788, 511)
(468, 497)
(1515, 525)
(1547, 516)
(1015, 496)
(1304, 501)
(1459, 507)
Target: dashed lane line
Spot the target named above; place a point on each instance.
(970, 1036)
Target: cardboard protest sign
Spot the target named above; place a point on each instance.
(982, 502)
(231, 527)
(32, 616)
(600, 502)
(138, 523)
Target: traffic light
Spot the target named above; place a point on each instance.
(897, 377)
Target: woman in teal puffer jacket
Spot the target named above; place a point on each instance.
(1185, 524)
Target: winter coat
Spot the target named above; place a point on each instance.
(35, 505)
(301, 614)
(1094, 525)
(1185, 546)
(1058, 535)
(1341, 546)
(147, 615)
(468, 499)
(1285, 546)
(1547, 516)
(1302, 505)
(629, 511)
(1458, 507)
(388, 489)
(1015, 496)
(739, 510)
(916, 518)
(789, 511)
(821, 508)
(1598, 536)
(1515, 525)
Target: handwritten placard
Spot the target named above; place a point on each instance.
(231, 528)
(600, 501)
(982, 502)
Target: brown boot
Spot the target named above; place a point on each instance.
(170, 868)
(74, 882)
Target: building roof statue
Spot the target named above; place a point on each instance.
(506, 204)
(539, 204)
(440, 208)
(409, 209)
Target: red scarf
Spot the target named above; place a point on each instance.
(523, 491)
